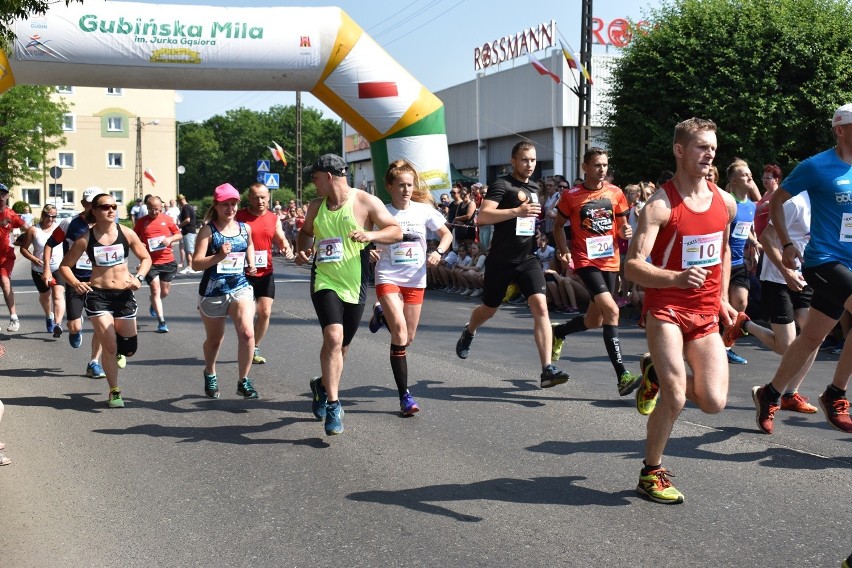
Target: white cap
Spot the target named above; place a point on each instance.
(843, 115)
(90, 193)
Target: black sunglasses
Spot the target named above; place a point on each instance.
(108, 207)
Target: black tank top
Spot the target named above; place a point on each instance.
(105, 255)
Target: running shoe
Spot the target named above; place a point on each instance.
(836, 412)
(463, 344)
(797, 403)
(211, 385)
(333, 419)
(764, 409)
(162, 327)
(552, 376)
(518, 300)
(57, 331)
(75, 339)
(152, 311)
(14, 325)
(838, 349)
(407, 405)
(319, 400)
(649, 389)
(476, 293)
(49, 323)
(115, 400)
(735, 359)
(466, 292)
(628, 382)
(95, 371)
(657, 487)
(555, 344)
(736, 331)
(257, 358)
(121, 361)
(377, 321)
(246, 390)
(847, 563)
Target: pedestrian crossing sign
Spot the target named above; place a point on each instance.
(271, 181)
(263, 165)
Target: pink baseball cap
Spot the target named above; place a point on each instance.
(225, 192)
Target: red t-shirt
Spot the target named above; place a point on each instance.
(594, 229)
(153, 232)
(9, 220)
(690, 239)
(761, 214)
(262, 233)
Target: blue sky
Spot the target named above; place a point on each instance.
(433, 39)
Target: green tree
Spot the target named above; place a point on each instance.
(11, 10)
(768, 72)
(30, 128)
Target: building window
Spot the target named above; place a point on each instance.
(118, 195)
(69, 123)
(66, 160)
(32, 164)
(68, 196)
(115, 160)
(31, 195)
(115, 124)
(114, 91)
(65, 90)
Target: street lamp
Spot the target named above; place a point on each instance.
(137, 190)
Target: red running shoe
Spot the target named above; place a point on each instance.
(736, 331)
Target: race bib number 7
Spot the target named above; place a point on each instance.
(702, 250)
(233, 263)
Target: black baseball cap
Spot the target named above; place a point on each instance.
(331, 163)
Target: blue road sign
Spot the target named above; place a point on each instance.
(261, 177)
(263, 165)
(271, 181)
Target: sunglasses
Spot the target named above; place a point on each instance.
(108, 207)
(48, 216)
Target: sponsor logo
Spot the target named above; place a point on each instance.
(843, 197)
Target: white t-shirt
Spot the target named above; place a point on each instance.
(404, 263)
(39, 241)
(797, 213)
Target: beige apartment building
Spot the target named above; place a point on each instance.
(104, 130)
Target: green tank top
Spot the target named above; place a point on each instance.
(337, 258)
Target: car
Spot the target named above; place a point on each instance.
(62, 214)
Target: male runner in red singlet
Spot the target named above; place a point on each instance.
(684, 228)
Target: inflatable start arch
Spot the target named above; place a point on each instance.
(320, 50)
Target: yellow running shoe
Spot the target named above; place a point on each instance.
(649, 390)
(657, 487)
(555, 345)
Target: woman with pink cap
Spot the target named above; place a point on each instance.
(225, 253)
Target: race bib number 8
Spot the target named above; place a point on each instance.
(234, 263)
(600, 247)
(406, 253)
(110, 255)
(702, 250)
(330, 250)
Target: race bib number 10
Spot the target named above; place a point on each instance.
(702, 250)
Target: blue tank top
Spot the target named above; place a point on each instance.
(229, 275)
(741, 229)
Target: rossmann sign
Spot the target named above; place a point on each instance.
(616, 33)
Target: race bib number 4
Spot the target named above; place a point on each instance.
(406, 253)
(525, 226)
(260, 259)
(600, 247)
(702, 250)
(110, 255)
(330, 250)
(234, 263)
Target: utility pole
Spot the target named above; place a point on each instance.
(298, 148)
(584, 111)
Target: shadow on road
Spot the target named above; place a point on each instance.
(535, 491)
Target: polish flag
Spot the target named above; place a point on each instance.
(542, 70)
(278, 153)
(150, 175)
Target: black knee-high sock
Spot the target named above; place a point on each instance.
(399, 366)
(613, 348)
(576, 325)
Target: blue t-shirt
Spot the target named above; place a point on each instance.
(228, 276)
(828, 181)
(741, 229)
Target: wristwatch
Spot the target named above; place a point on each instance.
(140, 278)
(439, 251)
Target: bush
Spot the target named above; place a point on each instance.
(18, 206)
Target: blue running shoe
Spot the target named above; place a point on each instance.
(320, 398)
(211, 385)
(246, 389)
(407, 405)
(75, 339)
(333, 419)
(57, 331)
(162, 327)
(95, 371)
(49, 324)
(378, 319)
(152, 311)
(735, 359)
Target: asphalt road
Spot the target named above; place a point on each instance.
(493, 472)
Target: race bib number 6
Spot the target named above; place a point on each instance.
(260, 259)
(702, 250)
(330, 250)
(83, 263)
